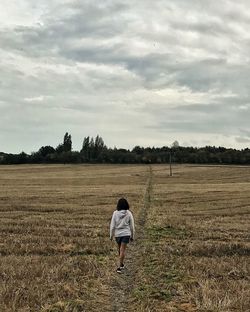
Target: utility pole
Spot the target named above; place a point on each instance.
(170, 163)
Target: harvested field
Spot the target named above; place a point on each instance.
(192, 251)
(198, 241)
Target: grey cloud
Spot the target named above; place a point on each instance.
(217, 74)
(222, 106)
(87, 20)
(135, 49)
(213, 26)
(242, 140)
(202, 119)
(158, 70)
(245, 132)
(196, 127)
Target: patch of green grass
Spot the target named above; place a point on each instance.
(159, 278)
(152, 291)
(157, 232)
(141, 291)
(163, 294)
(170, 277)
(67, 306)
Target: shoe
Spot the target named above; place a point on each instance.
(119, 270)
(122, 267)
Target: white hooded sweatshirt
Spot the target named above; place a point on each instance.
(122, 224)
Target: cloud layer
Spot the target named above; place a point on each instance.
(142, 72)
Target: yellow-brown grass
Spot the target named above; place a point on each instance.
(54, 244)
(197, 241)
(192, 255)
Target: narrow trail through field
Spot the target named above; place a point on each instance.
(123, 283)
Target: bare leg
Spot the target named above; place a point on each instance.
(119, 247)
(122, 253)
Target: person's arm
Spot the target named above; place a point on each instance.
(112, 226)
(132, 226)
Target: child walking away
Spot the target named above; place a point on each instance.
(122, 227)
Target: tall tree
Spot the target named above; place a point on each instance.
(85, 149)
(91, 149)
(99, 146)
(67, 142)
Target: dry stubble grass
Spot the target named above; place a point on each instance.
(56, 256)
(54, 246)
(197, 242)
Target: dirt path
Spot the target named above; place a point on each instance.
(123, 283)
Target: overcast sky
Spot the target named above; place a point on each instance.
(135, 72)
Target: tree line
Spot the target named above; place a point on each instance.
(94, 150)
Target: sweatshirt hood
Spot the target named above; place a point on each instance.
(122, 213)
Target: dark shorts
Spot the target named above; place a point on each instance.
(122, 239)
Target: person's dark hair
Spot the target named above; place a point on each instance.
(122, 204)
